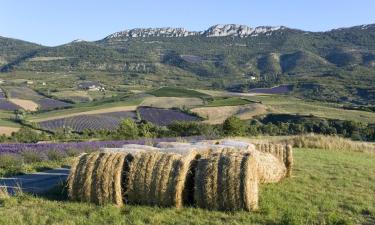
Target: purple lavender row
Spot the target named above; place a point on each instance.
(18, 148)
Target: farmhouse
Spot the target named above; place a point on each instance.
(91, 85)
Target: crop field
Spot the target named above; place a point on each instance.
(177, 92)
(347, 198)
(217, 115)
(8, 130)
(7, 105)
(31, 100)
(164, 117)
(170, 102)
(105, 121)
(25, 104)
(73, 95)
(49, 103)
(291, 105)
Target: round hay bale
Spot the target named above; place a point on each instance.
(270, 168)
(72, 176)
(289, 160)
(227, 180)
(107, 185)
(160, 178)
(78, 180)
(172, 144)
(140, 147)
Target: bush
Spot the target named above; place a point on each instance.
(233, 126)
(10, 164)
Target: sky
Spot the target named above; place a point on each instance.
(55, 22)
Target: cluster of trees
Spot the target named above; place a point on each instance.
(233, 126)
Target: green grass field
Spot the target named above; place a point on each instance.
(287, 104)
(327, 187)
(232, 101)
(177, 92)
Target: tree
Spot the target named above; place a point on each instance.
(128, 130)
(233, 126)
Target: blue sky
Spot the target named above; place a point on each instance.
(54, 22)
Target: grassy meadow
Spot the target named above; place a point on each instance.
(327, 187)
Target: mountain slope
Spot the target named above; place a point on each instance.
(339, 63)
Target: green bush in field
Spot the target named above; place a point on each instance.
(233, 126)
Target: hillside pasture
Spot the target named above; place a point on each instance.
(170, 102)
(217, 115)
(292, 105)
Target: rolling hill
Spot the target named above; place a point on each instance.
(336, 65)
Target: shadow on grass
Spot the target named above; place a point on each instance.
(58, 193)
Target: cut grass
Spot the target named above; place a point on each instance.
(177, 92)
(328, 187)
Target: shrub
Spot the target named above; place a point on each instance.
(233, 126)
(12, 164)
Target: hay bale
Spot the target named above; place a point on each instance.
(289, 160)
(172, 144)
(159, 178)
(97, 178)
(72, 176)
(237, 144)
(270, 168)
(140, 147)
(227, 180)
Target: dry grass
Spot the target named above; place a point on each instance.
(217, 115)
(169, 102)
(8, 130)
(25, 104)
(334, 143)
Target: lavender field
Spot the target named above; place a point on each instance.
(49, 103)
(164, 117)
(9, 106)
(105, 121)
(78, 147)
